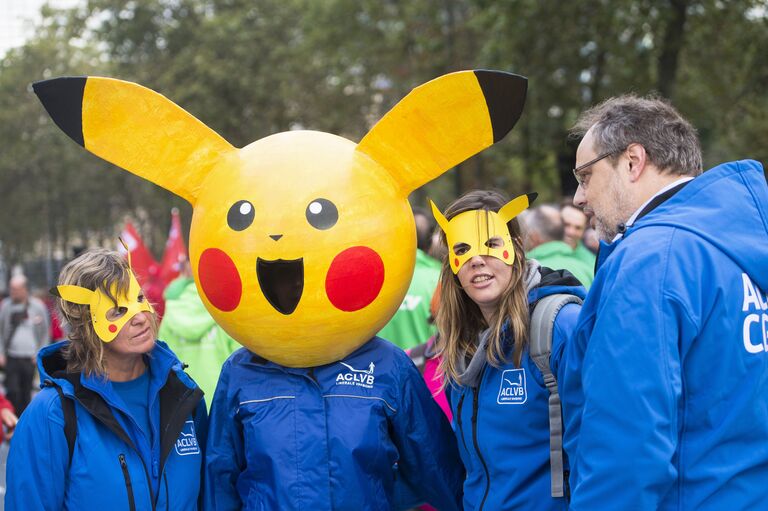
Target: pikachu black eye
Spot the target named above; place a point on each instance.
(240, 215)
(322, 214)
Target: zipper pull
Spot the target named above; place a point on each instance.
(155, 468)
(122, 461)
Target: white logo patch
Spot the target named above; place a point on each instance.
(358, 377)
(186, 444)
(513, 388)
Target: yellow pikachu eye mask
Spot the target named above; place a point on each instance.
(481, 232)
(107, 318)
(302, 243)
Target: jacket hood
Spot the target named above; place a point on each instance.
(53, 367)
(728, 207)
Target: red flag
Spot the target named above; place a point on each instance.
(175, 251)
(144, 265)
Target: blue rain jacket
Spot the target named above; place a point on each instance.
(362, 433)
(114, 465)
(665, 395)
(502, 425)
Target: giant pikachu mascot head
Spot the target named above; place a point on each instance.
(302, 243)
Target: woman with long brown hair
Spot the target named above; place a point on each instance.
(497, 394)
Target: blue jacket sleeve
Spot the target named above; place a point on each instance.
(430, 468)
(631, 384)
(224, 456)
(39, 457)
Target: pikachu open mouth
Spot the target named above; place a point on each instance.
(282, 282)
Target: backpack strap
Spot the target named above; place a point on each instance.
(540, 348)
(70, 419)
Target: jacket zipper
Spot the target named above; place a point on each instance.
(167, 495)
(149, 480)
(461, 429)
(128, 485)
(475, 406)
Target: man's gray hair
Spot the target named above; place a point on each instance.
(545, 220)
(670, 142)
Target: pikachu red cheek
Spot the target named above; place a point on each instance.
(219, 279)
(354, 279)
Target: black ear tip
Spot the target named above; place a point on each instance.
(63, 100)
(505, 96)
(532, 197)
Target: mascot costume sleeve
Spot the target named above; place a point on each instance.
(302, 246)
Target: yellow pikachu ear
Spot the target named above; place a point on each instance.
(516, 206)
(441, 220)
(74, 294)
(444, 122)
(136, 129)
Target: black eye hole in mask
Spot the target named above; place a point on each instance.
(495, 242)
(461, 248)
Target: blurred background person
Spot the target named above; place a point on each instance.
(24, 329)
(57, 332)
(574, 228)
(410, 326)
(191, 333)
(544, 243)
(591, 240)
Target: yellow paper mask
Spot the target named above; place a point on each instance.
(302, 243)
(100, 306)
(481, 232)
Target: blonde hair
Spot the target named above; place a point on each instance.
(95, 269)
(459, 319)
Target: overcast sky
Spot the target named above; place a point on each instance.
(17, 18)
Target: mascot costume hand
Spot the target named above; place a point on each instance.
(302, 243)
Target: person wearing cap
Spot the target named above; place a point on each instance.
(118, 424)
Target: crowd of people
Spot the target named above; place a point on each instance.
(653, 340)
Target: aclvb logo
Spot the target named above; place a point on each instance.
(187, 444)
(358, 377)
(512, 390)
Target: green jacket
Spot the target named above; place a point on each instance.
(194, 336)
(409, 326)
(586, 255)
(559, 255)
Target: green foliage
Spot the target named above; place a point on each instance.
(249, 69)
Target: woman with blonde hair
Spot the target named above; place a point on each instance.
(118, 424)
(497, 394)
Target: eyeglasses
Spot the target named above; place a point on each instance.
(583, 178)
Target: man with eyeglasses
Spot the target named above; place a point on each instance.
(665, 394)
